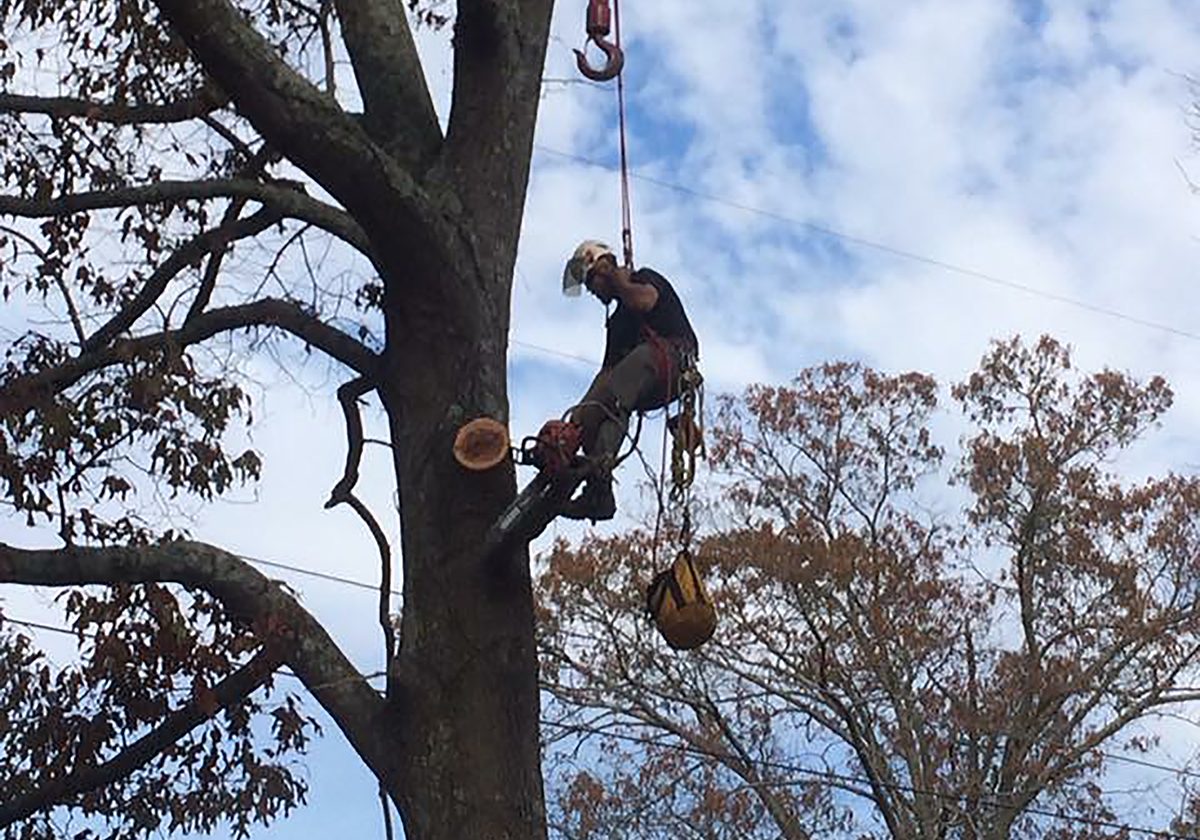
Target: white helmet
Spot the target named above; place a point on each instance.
(585, 256)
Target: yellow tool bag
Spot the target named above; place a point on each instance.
(680, 606)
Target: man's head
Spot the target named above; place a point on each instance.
(588, 257)
(599, 279)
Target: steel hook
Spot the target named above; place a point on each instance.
(612, 68)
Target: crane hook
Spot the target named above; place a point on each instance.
(611, 69)
(598, 18)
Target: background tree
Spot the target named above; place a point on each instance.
(167, 167)
(880, 671)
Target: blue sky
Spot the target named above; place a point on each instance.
(1043, 145)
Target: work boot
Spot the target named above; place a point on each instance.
(596, 502)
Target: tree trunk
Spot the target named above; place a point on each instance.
(438, 216)
(465, 689)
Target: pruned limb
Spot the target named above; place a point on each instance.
(398, 110)
(234, 688)
(348, 395)
(250, 597)
(205, 101)
(24, 391)
(286, 199)
(190, 253)
(343, 493)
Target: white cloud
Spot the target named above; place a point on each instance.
(1043, 155)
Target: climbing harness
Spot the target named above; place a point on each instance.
(687, 428)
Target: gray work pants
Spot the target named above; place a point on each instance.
(647, 378)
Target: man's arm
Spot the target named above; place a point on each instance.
(640, 297)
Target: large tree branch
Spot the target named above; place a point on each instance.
(499, 52)
(398, 110)
(305, 123)
(188, 254)
(237, 686)
(24, 391)
(203, 102)
(249, 596)
(286, 199)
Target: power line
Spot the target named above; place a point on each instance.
(1179, 771)
(845, 778)
(330, 578)
(314, 574)
(552, 352)
(765, 763)
(804, 771)
(7, 619)
(1140, 762)
(882, 247)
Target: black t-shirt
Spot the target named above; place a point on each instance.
(667, 319)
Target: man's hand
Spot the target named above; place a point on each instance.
(640, 297)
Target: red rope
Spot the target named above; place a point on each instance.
(626, 205)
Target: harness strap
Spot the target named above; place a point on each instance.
(664, 348)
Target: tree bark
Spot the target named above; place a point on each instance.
(466, 690)
(457, 746)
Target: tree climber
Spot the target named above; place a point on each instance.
(650, 342)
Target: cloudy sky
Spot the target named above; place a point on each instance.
(891, 182)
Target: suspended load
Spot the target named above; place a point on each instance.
(679, 604)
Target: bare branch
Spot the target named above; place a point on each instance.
(190, 253)
(343, 493)
(327, 48)
(286, 199)
(249, 596)
(348, 395)
(23, 391)
(237, 686)
(205, 101)
(743, 764)
(216, 256)
(234, 141)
